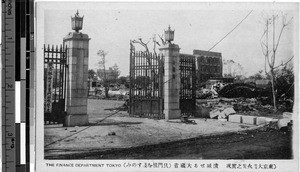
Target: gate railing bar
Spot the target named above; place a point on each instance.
(60, 73)
(55, 95)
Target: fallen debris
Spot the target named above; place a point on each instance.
(203, 94)
(202, 112)
(223, 120)
(261, 121)
(235, 118)
(245, 106)
(214, 114)
(222, 115)
(185, 119)
(283, 123)
(229, 111)
(221, 112)
(249, 120)
(241, 133)
(288, 115)
(270, 126)
(111, 133)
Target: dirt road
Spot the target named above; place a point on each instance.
(254, 144)
(140, 138)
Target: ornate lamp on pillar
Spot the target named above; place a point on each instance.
(170, 52)
(77, 22)
(169, 35)
(77, 74)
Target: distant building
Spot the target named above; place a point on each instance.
(208, 65)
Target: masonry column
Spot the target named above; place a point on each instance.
(77, 74)
(170, 53)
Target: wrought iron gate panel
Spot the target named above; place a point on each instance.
(146, 79)
(54, 83)
(188, 84)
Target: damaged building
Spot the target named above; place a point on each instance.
(208, 65)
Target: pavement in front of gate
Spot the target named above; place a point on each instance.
(122, 131)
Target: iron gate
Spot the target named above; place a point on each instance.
(146, 89)
(54, 83)
(146, 84)
(188, 84)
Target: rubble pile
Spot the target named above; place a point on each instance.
(245, 106)
(244, 110)
(243, 90)
(272, 125)
(221, 113)
(284, 124)
(206, 93)
(252, 106)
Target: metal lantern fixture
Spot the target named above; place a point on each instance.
(169, 35)
(77, 22)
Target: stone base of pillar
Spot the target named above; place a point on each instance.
(76, 120)
(172, 114)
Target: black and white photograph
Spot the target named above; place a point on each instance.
(167, 86)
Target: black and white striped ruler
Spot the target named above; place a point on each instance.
(17, 83)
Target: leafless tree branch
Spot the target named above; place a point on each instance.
(264, 53)
(145, 45)
(283, 64)
(270, 58)
(162, 40)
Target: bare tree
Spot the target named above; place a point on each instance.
(232, 68)
(145, 45)
(102, 54)
(270, 52)
(115, 72)
(91, 78)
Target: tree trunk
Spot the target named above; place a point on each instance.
(105, 80)
(106, 89)
(273, 89)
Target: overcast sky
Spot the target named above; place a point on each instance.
(197, 26)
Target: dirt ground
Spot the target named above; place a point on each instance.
(253, 144)
(122, 137)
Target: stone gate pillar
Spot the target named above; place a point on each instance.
(77, 74)
(171, 85)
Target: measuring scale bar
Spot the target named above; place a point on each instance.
(8, 87)
(15, 35)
